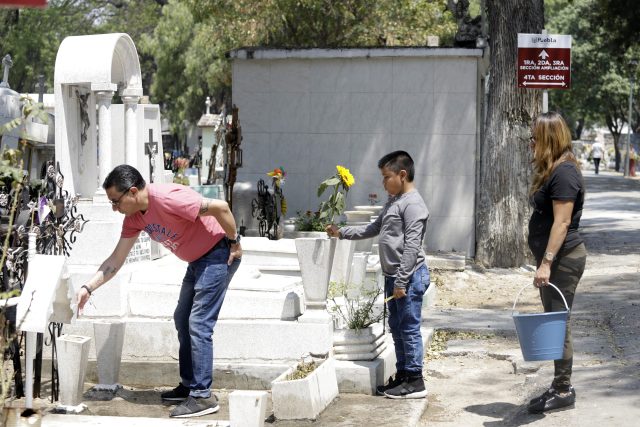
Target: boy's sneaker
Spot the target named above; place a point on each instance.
(196, 407)
(393, 382)
(409, 388)
(179, 393)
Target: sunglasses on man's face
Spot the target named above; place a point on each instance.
(117, 201)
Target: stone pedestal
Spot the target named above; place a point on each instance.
(73, 354)
(247, 408)
(109, 338)
(362, 344)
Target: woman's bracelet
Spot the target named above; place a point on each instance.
(87, 288)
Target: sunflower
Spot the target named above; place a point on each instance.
(345, 176)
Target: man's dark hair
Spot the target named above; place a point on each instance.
(123, 177)
(397, 161)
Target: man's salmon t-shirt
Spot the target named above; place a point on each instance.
(172, 218)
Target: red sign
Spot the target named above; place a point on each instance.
(544, 61)
(23, 3)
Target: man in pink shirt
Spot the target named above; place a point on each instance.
(197, 230)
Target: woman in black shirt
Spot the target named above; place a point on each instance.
(557, 197)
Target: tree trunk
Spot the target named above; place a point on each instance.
(503, 204)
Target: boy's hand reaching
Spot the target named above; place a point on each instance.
(399, 293)
(332, 230)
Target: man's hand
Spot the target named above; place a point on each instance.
(236, 252)
(82, 296)
(332, 230)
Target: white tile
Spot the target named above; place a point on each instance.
(329, 75)
(366, 149)
(452, 155)
(251, 76)
(370, 112)
(291, 151)
(456, 75)
(329, 150)
(290, 76)
(369, 75)
(418, 146)
(453, 195)
(330, 112)
(253, 110)
(256, 152)
(454, 113)
(451, 234)
(413, 112)
(413, 75)
(288, 112)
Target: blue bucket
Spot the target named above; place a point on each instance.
(541, 335)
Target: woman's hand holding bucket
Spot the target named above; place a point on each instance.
(542, 275)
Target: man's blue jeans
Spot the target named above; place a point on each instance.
(405, 317)
(203, 289)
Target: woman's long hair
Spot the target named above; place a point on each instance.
(552, 146)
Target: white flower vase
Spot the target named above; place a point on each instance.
(315, 257)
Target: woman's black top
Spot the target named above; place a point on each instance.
(564, 183)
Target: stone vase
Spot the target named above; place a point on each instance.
(358, 216)
(305, 398)
(315, 257)
(360, 344)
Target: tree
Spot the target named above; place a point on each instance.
(503, 207)
(600, 73)
(33, 36)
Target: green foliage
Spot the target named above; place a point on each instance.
(309, 221)
(355, 304)
(341, 182)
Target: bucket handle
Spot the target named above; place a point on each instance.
(526, 286)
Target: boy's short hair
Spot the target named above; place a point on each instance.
(397, 161)
(123, 177)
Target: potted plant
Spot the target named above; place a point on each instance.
(358, 307)
(305, 390)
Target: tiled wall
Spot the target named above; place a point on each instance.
(308, 115)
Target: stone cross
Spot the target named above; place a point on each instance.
(151, 149)
(41, 88)
(7, 64)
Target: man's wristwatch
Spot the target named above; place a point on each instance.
(549, 256)
(236, 240)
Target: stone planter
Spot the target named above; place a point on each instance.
(354, 217)
(305, 398)
(316, 258)
(376, 209)
(305, 234)
(360, 344)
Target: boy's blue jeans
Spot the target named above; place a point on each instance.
(405, 317)
(203, 289)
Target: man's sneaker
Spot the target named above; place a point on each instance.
(393, 382)
(179, 393)
(196, 407)
(409, 388)
(552, 399)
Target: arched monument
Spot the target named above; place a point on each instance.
(90, 71)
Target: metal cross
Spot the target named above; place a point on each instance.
(151, 149)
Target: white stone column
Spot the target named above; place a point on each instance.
(104, 136)
(130, 130)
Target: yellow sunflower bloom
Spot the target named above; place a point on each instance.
(345, 176)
